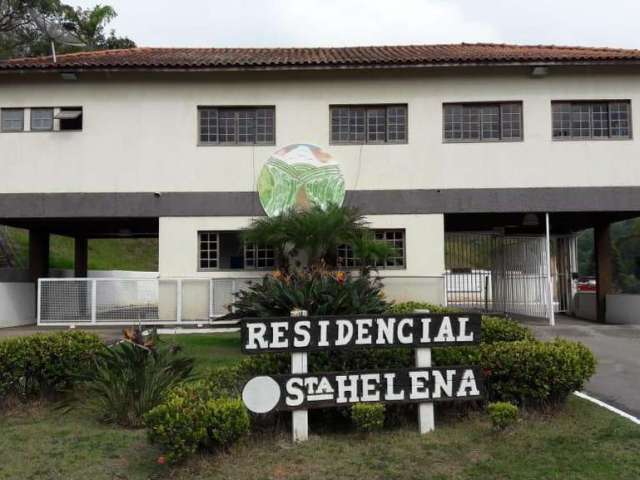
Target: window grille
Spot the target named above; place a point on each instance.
(476, 122)
(360, 124)
(237, 126)
(591, 120)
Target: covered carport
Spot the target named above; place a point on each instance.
(522, 242)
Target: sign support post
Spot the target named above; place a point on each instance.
(426, 422)
(299, 418)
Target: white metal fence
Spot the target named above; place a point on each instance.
(175, 301)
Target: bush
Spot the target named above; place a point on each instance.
(411, 307)
(192, 417)
(320, 292)
(535, 373)
(499, 329)
(127, 380)
(502, 414)
(45, 364)
(368, 417)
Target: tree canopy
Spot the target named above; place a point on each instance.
(22, 36)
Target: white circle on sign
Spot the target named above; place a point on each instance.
(261, 394)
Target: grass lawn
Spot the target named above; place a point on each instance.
(209, 351)
(580, 442)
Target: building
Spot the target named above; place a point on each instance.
(432, 141)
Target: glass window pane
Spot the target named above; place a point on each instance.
(376, 125)
(208, 254)
(511, 121)
(12, 119)
(356, 125)
(397, 124)
(227, 126)
(600, 120)
(490, 122)
(246, 126)
(620, 122)
(208, 125)
(265, 125)
(42, 119)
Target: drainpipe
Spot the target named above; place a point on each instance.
(552, 317)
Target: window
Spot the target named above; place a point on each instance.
(70, 118)
(209, 251)
(478, 122)
(227, 251)
(42, 119)
(237, 126)
(258, 256)
(12, 119)
(591, 120)
(394, 238)
(369, 124)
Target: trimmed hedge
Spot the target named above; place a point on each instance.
(502, 415)
(45, 364)
(410, 307)
(192, 417)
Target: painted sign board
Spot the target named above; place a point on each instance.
(303, 334)
(298, 176)
(416, 385)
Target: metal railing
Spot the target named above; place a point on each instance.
(175, 301)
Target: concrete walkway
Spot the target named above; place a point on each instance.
(617, 348)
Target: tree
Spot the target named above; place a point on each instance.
(20, 35)
(310, 238)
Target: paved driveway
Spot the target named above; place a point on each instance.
(617, 347)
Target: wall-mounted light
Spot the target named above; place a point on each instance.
(539, 72)
(69, 76)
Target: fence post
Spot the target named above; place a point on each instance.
(212, 309)
(179, 300)
(94, 296)
(300, 418)
(426, 421)
(39, 301)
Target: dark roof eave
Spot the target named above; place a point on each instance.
(238, 68)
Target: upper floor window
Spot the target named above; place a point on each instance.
(237, 126)
(591, 120)
(369, 124)
(482, 122)
(12, 119)
(70, 118)
(42, 119)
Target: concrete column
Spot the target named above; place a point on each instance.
(81, 257)
(604, 268)
(38, 254)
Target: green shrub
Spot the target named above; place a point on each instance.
(499, 329)
(368, 417)
(411, 307)
(319, 292)
(191, 417)
(535, 373)
(45, 364)
(127, 380)
(502, 414)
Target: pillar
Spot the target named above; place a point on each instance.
(38, 254)
(81, 257)
(604, 269)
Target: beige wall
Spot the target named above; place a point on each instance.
(140, 132)
(178, 243)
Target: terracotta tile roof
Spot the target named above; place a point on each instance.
(305, 58)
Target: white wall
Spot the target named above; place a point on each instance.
(17, 304)
(424, 245)
(140, 132)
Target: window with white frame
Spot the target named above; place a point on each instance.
(209, 251)
(236, 126)
(482, 122)
(360, 124)
(591, 120)
(12, 119)
(258, 257)
(41, 119)
(395, 238)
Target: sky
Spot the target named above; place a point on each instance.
(277, 23)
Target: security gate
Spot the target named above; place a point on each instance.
(499, 273)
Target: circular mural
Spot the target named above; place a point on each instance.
(298, 176)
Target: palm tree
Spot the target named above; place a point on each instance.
(311, 237)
